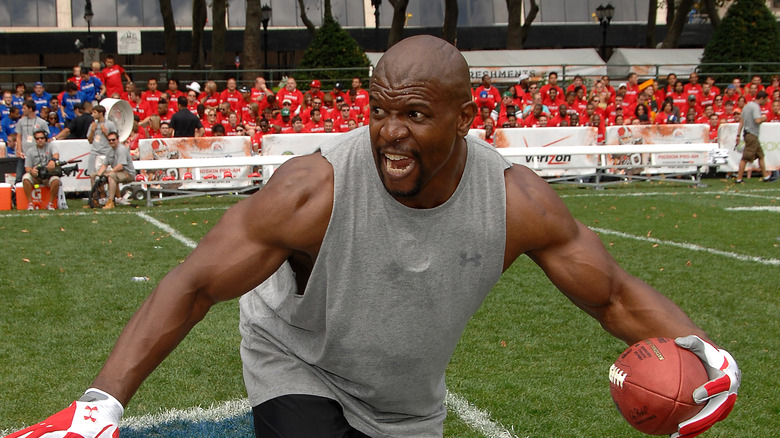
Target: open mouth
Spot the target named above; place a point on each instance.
(398, 166)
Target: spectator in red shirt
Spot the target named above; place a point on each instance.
(714, 124)
(260, 91)
(152, 95)
(210, 96)
(192, 101)
(113, 74)
(291, 92)
(730, 94)
(479, 121)
(632, 88)
(336, 92)
(232, 96)
(532, 120)
(729, 115)
(552, 83)
(493, 95)
(707, 95)
(666, 115)
(315, 90)
(165, 111)
(553, 101)
(755, 79)
(140, 107)
(577, 82)
(691, 104)
(521, 89)
(706, 113)
(173, 90)
(360, 99)
(693, 86)
(209, 121)
(316, 123)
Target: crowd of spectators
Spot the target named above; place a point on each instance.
(258, 110)
(546, 103)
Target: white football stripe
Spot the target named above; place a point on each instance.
(170, 230)
(218, 412)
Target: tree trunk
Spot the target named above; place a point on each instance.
(514, 31)
(169, 26)
(712, 12)
(199, 17)
(673, 31)
(399, 21)
(652, 12)
(219, 30)
(669, 12)
(450, 29)
(252, 54)
(305, 18)
(529, 18)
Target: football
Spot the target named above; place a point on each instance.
(652, 384)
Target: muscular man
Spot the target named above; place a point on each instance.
(359, 266)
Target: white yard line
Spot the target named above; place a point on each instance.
(168, 229)
(769, 208)
(608, 194)
(218, 412)
(475, 418)
(690, 246)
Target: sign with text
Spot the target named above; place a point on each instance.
(128, 42)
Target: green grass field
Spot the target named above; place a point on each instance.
(529, 358)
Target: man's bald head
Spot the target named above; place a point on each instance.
(425, 59)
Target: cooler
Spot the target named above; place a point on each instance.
(40, 198)
(5, 196)
(8, 169)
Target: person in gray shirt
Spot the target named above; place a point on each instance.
(42, 158)
(120, 163)
(97, 136)
(750, 123)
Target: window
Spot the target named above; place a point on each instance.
(32, 13)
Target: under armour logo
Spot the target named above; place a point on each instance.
(91, 411)
(465, 259)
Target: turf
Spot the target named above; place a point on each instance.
(529, 358)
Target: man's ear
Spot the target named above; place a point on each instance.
(467, 113)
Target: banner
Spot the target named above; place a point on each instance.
(552, 164)
(198, 147)
(657, 134)
(71, 150)
(769, 137)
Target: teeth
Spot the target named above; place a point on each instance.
(394, 157)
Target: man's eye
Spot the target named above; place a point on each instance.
(377, 112)
(416, 115)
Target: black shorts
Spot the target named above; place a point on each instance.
(302, 416)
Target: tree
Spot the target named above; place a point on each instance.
(450, 29)
(748, 35)
(674, 29)
(251, 53)
(169, 29)
(517, 33)
(218, 33)
(199, 17)
(399, 21)
(305, 18)
(331, 51)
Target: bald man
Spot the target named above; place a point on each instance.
(359, 266)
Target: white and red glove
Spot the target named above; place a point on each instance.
(720, 392)
(95, 415)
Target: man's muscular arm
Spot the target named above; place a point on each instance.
(288, 216)
(575, 260)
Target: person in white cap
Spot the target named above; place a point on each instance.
(194, 86)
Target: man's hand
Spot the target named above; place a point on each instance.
(720, 392)
(95, 415)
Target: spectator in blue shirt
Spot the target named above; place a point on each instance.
(40, 97)
(91, 87)
(18, 98)
(6, 104)
(71, 97)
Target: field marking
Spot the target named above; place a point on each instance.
(222, 411)
(59, 213)
(168, 229)
(476, 418)
(690, 246)
(771, 208)
(707, 192)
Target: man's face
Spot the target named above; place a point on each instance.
(316, 103)
(77, 71)
(224, 109)
(316, 116)
(40, 139)
(211, 116)
(693, 78)
(291, 84)
(328, 126)
(553, 79)
(231, 84)
(165, 130)
(259, 83)
(28, 112)
(113, 141)
(192, 97)
(7, 98)
(414, 130)
(162, 109)
(54, 104)
(151, 85)
(355, 83)
(38, 89)
(297, 126)
(95, 115)
(172, 85)
(109, 62)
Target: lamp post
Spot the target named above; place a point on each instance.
(91, 53)
(604, 14)
(376, 4)
(265, 17)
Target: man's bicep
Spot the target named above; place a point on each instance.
(580, 267)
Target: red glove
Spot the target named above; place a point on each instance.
(94, 415)
(720, 392)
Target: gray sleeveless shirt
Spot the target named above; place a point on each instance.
(388, 298)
